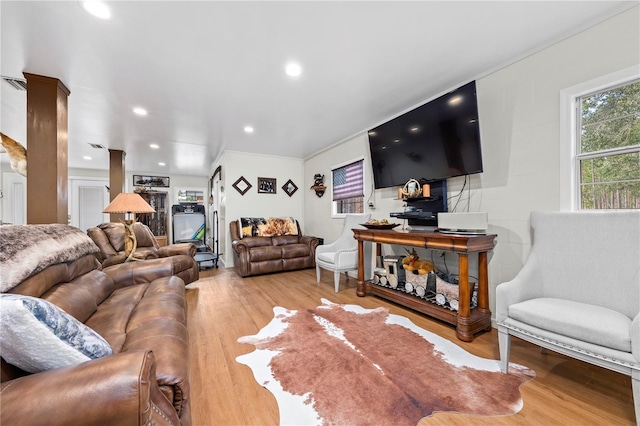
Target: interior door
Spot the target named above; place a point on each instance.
(87, 199)
(14, 199)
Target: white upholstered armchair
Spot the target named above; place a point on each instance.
(579, 291)
(342, 254)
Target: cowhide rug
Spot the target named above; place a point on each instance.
(346, 365)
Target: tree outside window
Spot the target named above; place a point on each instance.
(608, 151)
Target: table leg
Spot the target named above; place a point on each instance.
(360, 291)
(483, 285)
(464, 298)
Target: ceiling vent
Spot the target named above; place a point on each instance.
(16, 83)
(97, 146)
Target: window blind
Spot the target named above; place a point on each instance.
(347, 181)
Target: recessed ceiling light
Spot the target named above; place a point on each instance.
(97, 9)
(140, 111)
(162, 164)
(86, 157)
(248, 129)
(293, 70)
(414, 129)
(154, 145)
(455, 100)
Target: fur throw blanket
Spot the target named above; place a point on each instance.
(28, 249)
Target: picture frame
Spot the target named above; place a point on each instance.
(289, 188)
(266, 185)
(151, 181)
(242, 185)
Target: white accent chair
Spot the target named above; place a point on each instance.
(342, 254)
(579, 291)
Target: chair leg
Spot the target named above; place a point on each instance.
(336, 279)
(504, 341)
(635, 388)
(317, 273)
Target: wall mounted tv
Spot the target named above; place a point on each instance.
(435, 141)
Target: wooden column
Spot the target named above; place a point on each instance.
(47, 150)
(116, 179)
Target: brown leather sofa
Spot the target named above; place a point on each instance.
(265, 255)
(139, 308)
(109, 237)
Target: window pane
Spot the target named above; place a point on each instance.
(350, 205)
(610, 119)
(610, 182)
(347, 181)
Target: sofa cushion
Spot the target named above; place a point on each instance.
(581, 321)
(259, 254)
(284, 240)
(38, 336)
(290, 251)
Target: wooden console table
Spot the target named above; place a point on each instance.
(467, 321)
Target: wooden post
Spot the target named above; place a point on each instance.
(47, 150)
(116, 179)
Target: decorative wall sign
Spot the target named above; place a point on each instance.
(266, 185)
(242, 185)
(289, 187)
(151, 181)
(318, 184)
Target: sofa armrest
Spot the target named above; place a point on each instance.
(188, 249)
(119, 389)
(310, 241)
(527, 284)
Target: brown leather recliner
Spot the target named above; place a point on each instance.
(265, 255)
(109, 237)
(139, 308)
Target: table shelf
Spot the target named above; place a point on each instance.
(467, 320)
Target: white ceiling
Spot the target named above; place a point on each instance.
(206, 69)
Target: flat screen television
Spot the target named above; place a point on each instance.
(435, 141)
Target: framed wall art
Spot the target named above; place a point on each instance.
(289, 187)
(242, 185)
(153, 181)
(266, 185)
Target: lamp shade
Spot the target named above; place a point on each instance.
(128, 203)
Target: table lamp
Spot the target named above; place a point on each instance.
(129, 203)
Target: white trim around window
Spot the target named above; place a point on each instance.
(569, 194)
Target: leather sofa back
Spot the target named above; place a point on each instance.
(109, 237)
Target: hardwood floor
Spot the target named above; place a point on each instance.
(223, 307)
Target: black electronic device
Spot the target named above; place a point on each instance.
(435, 141)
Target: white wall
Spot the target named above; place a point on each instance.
(252, 204)
(521, 141)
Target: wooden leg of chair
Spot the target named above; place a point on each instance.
(317, 273)
(635, 388)
(504, 341)
(336, 279)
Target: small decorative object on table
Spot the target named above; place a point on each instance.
(379, 224)
(412, 189)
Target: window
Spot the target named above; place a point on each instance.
(607, 156)
(347, 188)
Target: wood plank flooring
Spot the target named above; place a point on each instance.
(223, 307)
